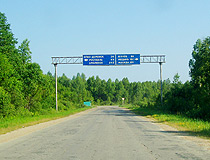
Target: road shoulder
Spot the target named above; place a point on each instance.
(27, 130)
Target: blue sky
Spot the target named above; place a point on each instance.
(77, 27)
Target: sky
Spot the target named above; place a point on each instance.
(77, 27)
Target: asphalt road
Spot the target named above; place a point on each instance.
(106, 133)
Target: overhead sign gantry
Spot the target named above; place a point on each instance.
(109, 60)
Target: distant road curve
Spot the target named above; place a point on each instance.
(104, 133)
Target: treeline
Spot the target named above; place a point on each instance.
(26, 91)
(101, 92)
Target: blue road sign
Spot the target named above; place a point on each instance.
(127, 59)
(88, 103)
(106, 59)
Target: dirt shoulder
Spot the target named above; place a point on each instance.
(182, 134)
(172, 130)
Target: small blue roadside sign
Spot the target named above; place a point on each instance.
(88, 103)
(106, 59)
(127, 59)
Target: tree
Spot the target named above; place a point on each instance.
(80, 93)
(9, 64)
(110, 90)
(6, 70)
(120, 92)
(6, 108)
(200, 74)
(92, 87)
(200, 64)
(7, 40)
(25, 52)
(33, 80)
(65, 81)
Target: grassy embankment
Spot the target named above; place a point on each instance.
(13, 123)
(194, 127)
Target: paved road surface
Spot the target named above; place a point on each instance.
(107, 133)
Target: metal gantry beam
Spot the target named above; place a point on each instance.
(67, 60)
(153, 59)
(79, 60)
(156, 59)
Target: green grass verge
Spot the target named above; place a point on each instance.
(13, 123)
(194, 127)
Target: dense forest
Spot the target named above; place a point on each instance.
(26, 91)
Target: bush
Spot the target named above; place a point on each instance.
(23, 112)
(6, 108)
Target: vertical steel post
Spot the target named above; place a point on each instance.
(56, 88)
(161, 83)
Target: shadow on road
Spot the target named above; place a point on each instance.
(154, 111)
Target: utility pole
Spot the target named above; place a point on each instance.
(56, 88)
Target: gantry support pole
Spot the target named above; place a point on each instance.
(56, 88)
(161, 83)
(63, 60)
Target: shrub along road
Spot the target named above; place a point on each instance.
(104, 133)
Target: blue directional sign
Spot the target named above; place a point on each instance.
(106, 59)
(127, 59)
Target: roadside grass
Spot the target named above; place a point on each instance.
(13, 123)
(194, 127)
